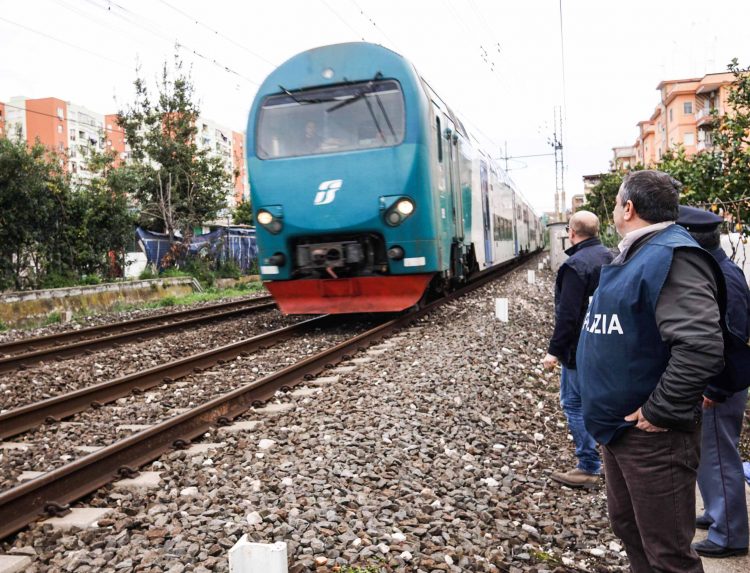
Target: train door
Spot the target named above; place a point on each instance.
(483, 178)
(451, 138)
(516, 226)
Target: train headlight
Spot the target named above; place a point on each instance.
(271, 223)
(399, 210)
(264, 217)
(405, 207)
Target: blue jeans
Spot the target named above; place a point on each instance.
(570, 400)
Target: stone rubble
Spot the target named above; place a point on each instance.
(432, 457)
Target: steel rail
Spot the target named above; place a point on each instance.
(119, 336)
(54, 490)
(18, 420)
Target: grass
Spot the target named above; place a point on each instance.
(355, 569)
(209, 295)
(52, 318)
(3, 327)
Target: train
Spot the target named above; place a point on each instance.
(367, 190)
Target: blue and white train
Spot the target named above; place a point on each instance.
(366, 188)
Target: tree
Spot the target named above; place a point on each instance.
(181, 184)
(34, 208)
(243, 214)
(732, 136)
(701, 174)
(104, 220)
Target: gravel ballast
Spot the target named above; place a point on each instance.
(434, 455)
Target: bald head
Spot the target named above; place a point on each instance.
(585, 225)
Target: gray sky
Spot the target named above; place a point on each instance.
(497, 63)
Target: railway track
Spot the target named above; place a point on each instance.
(21, 354)
(51, 493)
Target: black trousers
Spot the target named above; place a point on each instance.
(651, 498)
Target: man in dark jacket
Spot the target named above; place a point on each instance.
(577, 280)
(650, 343)
(721, 479)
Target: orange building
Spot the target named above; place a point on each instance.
(115, 136)
(74, 131)
(682, 118)
(239, 168)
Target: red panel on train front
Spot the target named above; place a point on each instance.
(348, 295)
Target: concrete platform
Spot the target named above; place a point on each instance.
(88, 449)
(377, 351)
(303, 392)
(29, 475)
(237, 427)
(14, 563)
(142, 482)
(14, 446)
(133, 427)
(203, 448)
(274, 408)
(345, 369)
(80, 517)
(730, 564)
(323, 380)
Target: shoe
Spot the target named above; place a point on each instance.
(703, 522)
(708, 548)
(577, 478)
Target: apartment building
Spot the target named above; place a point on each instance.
(681, 118)
(74, 131)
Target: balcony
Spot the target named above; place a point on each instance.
(704, 117)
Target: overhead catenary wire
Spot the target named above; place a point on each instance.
(342, 19)
(375, 25)
(65, 42)
(218, 33)
(132, 17)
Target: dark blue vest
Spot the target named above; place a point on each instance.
(621, 355)
(736, 374)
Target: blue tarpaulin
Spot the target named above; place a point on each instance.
(225, 244)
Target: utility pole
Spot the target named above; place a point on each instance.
(557, 144)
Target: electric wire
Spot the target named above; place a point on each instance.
(65, 42)
(346, 22)
(132, 17)
(375, 25)
(218, 33)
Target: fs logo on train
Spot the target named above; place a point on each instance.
(327, 191)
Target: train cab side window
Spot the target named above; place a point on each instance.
(439, 140)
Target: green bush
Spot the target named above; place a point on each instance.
(60, 280)
(229, 270)
(3, 327)
(53, 318)
(168, 301)
(147, 273)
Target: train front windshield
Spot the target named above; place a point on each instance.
(357, 116)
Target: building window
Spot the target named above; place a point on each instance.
(60, 113)
(670, 114)
(59, 129)
(687, 107)
(688, 138)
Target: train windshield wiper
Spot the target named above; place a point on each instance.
(369, 89)
(304, 100)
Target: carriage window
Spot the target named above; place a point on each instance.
(329, 120)
(439, 139)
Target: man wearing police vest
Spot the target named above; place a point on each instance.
(721, 479)
(649, 345)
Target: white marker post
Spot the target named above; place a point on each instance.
(540, 267)
(501, 309)
(532, 277)
(248, 557)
